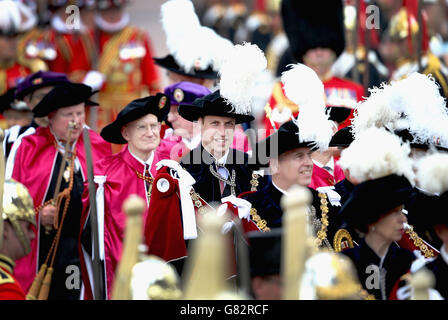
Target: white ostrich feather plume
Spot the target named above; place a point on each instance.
(418, 97)
(377, 153)
(244, 64)
(375, 111)
(179, 20)
(303, 87)
(432, 172)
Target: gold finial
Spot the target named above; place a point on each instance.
(208, 264)
(421, 281)
(295, 239)
(134, 207)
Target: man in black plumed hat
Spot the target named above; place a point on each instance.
(289, 161)
(131, 171)
(380, 262)
(39, 160)
(265, 251)
(218, 169)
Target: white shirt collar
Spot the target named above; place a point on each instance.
(112, 27)
(444, 254)
(223, 159)
(147, 162)
(278, 188)
(61, 27)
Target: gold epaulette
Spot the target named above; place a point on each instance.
(434, 68)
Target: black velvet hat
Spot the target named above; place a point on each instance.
(313, 24)
(407, 136)
(342, 138)
(372, 199)
(159, 105)
(64, 95)
(338, 114)
(168, 62)
(286, 138)
(265, 250)
(212, 105)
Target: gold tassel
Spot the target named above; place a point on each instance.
(33, 292)
(45, 288)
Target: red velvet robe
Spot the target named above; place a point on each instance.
(121, 181)
(33, 167)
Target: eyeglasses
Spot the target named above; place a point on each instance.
(144, 128)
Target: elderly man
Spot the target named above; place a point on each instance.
(18, 231)
(31, 91)
(129, 172)
(57, 192)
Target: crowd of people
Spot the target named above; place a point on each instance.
(341, 109)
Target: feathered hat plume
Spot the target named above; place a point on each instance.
(304, 88)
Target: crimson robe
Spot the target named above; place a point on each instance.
(34, 168)
(121, 181)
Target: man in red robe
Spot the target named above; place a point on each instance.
(129, 172)
(16, 234)
(36, 164)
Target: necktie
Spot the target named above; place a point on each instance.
(223, 173)
(147, 183)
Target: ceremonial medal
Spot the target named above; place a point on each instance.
(67, 174)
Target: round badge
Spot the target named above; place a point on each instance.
(162, 102)
(178, 95)
(163, 185)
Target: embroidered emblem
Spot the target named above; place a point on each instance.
(179, 95)
(162, 102)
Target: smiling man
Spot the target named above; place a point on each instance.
(290, 163)
(218, 169)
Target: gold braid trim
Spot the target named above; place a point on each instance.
(418, 242)
(111, 48)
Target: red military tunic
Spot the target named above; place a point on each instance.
(117, 176)
(338, 92)
(9, 287)
(126, 62)
(75, 54)
(33, 167)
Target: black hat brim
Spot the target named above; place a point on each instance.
(170, 64)
(63, 96)
(112, 132)
(192, 113)
(342, 138)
